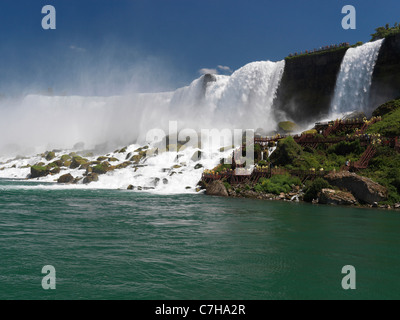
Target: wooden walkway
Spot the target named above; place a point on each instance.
(256, 175)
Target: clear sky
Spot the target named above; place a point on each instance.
(106, 46)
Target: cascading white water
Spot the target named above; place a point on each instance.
(354, 79)
(241, 101)
(246, 97)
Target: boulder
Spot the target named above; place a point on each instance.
(67, 163)
(55, 170)
(66, 178)
(39, 171)
(216, 188)
(130, 187)
(330, 196)
(77, 161)
(101, 168)
(57, 163)
(76, 180)
(65, 157)
(123, 165)
(355, 115)
(50, 155)
(198, 166)
(287, 126)
(84, 166)
(137, 158)
(365, 190)
(91, 177)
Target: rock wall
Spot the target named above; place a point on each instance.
(308, 82)
(386, 76)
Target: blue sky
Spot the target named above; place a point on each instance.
(107, 46)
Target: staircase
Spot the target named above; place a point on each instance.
(332, 128)
(365, 158)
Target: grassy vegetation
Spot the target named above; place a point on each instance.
(389, 126)
(287, 152)
(384, 169)
(317, 53)
(277, 184)
(293, 157)
(387, 108)
(222, 167)
(386, 31)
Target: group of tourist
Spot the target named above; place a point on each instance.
(325, 48)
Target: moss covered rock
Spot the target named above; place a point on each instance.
(50, 155)
(39, 171)
(77, 161)
(55, 170)
(92, 177)
(66, 178)
(137, 158)
(102, 168)
(288, 126)
(65, 158)
(123, 165)
(58, 163)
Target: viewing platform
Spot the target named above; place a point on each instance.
(320, 49)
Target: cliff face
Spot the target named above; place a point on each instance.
(386, 76)
(307, 85)
(308, 82)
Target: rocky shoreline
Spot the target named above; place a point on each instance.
(355, 191)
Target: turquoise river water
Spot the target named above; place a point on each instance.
(114, 244)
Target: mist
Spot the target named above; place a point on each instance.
(111, 102)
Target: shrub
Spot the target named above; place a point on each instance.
(312, 189)
(389, 126)
(386, 108)
(286, 152)
(383, 32)
(344, 148)
(262, 163)
(222, 167)
(227, 185)
(277, 184)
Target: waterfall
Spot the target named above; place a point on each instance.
(354, 80)
(37, 123)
